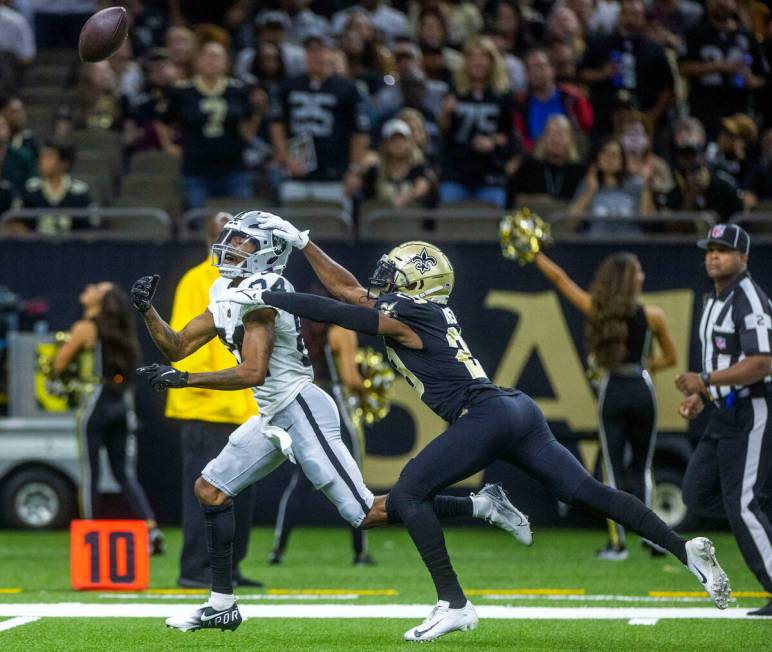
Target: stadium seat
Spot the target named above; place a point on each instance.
(46, 76)
(100, 185)
(62, 57)
(102, 143)
(39, 119)
(139, 190)
(46, 96)
(153, 161)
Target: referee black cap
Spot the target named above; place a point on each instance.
(729, 235)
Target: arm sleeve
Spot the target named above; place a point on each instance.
(752, 322)
(328, 311)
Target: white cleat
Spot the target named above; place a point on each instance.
(493, 505)
(701, 561)
(206, 617)
(443, 620)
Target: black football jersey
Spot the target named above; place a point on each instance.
(209, 124)
(445, 374)
(330, 112)
(478, 114)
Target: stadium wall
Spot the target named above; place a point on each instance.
(517, 326)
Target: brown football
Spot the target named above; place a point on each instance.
(103, 34)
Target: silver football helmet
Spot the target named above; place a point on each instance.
(243, 248)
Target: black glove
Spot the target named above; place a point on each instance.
(162, 377)
(142, 292)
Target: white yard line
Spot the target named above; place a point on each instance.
(15, 622)
(156, 610)
(592, 598)
(242, 597)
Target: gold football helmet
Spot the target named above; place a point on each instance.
(418, 269)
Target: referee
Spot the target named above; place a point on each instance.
(731, 464)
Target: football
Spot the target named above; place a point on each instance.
(103, 34)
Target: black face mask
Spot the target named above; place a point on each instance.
(384, 278)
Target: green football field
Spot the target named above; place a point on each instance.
(551, 596)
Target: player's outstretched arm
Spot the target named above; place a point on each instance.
(173, 344)
(339, 282)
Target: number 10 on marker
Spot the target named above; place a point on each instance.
(109, 555)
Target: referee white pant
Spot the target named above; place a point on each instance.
(313, 424)
(727, 474)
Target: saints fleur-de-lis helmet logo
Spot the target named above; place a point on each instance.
(424, 262)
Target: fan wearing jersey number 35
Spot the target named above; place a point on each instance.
(407, 304)
(297, 421)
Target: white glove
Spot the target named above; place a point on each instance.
(285, 230)
(244, 297)
(281, 439)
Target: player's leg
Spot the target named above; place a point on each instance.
(290, 505)
(744, 461)
(701, 491)
(89, 442)
(539, 454)
(613, 408)
(247, 457)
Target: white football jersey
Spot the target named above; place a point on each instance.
(289, 368)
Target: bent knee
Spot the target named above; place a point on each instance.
(208, 494)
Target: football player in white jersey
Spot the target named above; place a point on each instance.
(297, 420)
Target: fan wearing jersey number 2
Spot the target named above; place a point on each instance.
(406, 303)
(297, 420)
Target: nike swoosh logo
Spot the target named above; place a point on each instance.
(420, 633)
(166, 373)
(704, 579)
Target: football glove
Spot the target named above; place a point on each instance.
(286, 231)
(142, 292)
(161, 377)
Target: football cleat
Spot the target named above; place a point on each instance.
(493, 505)
(701, 561)
(207, 617)
(156, 541)
(612, 553)
(443, 620)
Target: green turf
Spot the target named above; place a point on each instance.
(321, 559)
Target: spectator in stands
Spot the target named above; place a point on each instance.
(367, 60)
(398, 174)
(215, 118)
(563, 26)
(608, 190)
(504, 22)
(303, 21)
(57, 190)
(670, 20)
(57, 24)
(387, 20)
(476, 121)
(627, 60)
(98, 98)
(428, 142)
(563, 58)
(432, 36)
(724, 66)
(17, 165)
(553, 170)
(16, 115)
(546, 98)
(150, 106)
(182, 45)
(320, 130)
(16, 35)
(7, 201)
(760, 178)
(128, 72)
(731, 152)
(270, 27)
(642, 162)
(698, 188)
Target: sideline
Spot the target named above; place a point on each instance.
(15, 622)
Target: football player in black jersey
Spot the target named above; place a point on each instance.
(407, 303)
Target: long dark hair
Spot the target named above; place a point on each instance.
(595, 155)
(614, 292)
(117, 335)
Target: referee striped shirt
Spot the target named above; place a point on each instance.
(735, 324)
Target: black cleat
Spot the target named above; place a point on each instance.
(207, 617)
(275, 558)
(157, 541)
(240, 580)
(364, 559)
(766, 610)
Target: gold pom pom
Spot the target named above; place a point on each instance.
(374, 401)
(523, 235)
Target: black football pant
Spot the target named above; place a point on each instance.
(627, 414)
(512, 429)
(727, 474)
(108, 420)
(201, 442)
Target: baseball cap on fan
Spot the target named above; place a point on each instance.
(728, 235)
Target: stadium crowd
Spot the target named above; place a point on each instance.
(605, 107)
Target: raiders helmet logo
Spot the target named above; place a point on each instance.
(424, 262)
